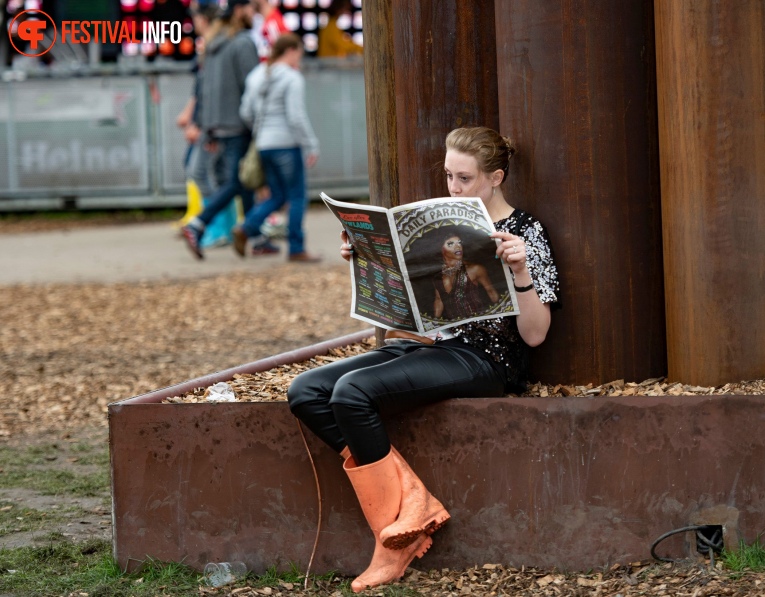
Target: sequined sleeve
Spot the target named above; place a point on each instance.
(499, 338)
(539, 261)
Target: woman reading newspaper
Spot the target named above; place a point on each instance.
(344, 402)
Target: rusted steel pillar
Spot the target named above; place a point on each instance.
(446, 77)
(380, 92)
(380, 97)
(577, 92)
(437, 60)
(711, 83)
(429, 67)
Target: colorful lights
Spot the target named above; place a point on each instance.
(307, 17)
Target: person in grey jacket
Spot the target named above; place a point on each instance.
(230, 55)
(273, 104)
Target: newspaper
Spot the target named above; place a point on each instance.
(425, 266)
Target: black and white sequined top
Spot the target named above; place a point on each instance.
(500, 337)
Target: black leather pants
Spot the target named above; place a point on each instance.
(343, 402)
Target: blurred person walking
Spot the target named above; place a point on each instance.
(274, 104)
(230, 55)
(198, 164)
(333, 41)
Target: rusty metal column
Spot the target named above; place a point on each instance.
(380, 93)
(429, 67)
(577, 92)
(446, 77)
(711, 82)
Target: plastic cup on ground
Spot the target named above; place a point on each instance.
(218, 574)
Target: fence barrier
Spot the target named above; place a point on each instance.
(110, 140)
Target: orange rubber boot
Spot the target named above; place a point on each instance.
(345, 453)
(420, 511)
(378, 488)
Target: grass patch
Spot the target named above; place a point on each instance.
(273, 578)
(42, 454)
(49, 454)
(747, 558)
(14, 519)
(36, 468)
(86, 454)
(61, 568)
(57, 482)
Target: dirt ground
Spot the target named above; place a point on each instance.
(67, 351)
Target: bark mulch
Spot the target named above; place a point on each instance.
(639, 578)
(67, 351)
(271, 385)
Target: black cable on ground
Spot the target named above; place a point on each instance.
(710, 545)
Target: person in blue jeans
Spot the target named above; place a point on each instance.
(198, 164)
(230, 55)
(285, 174)
(205, 170)
(274, 105)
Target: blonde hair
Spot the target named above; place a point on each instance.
(491, 150)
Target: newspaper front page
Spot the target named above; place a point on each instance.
(425, 266)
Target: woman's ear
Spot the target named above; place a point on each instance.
(496, 177)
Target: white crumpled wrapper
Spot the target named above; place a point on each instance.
(220, 392)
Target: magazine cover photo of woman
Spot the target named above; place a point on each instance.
(455, 275)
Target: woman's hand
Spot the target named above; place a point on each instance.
(534, 317)
(311, 159)
(346, 249)
(512, 250)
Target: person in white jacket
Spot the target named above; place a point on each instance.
(273, 104)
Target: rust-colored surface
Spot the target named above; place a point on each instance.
(380, 95)
(429, 67)
(574, 483)
(577, 92)
(711, 81)
(445, 76)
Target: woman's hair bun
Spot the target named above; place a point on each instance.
(510, 146)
